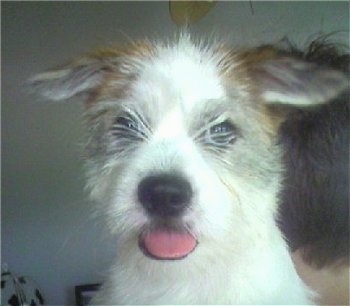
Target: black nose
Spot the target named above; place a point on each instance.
(164, 195)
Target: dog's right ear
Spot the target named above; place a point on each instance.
(83, 76)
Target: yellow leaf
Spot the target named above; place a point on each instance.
(187, 12)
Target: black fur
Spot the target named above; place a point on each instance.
(314, 213)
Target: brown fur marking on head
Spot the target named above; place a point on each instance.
(112, 57)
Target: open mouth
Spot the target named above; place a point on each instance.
(163, 243)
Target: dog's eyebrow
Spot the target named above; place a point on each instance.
(210, 109)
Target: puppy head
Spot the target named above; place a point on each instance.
(181, 143)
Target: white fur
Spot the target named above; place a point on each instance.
(241, 257)
(175, 93)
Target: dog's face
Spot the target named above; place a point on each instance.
(184, 154)
(181, 150)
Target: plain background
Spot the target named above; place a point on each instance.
(49, 232)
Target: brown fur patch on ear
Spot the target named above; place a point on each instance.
(108, 88)
(259, 54)
(135, 49)
(236, 75)
(242, 61)
(111, 88)
(248, 58)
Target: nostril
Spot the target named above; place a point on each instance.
(165, 195)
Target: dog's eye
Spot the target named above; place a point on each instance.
(222, 128)
(127, 126)
(221, 134)
(121, 123)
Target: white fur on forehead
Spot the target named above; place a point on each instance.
(184, 54)
(181, 73)
(198, 50)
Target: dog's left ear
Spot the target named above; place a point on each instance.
(293, 82)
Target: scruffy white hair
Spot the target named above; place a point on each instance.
(208, 114)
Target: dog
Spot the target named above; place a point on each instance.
(183, 157)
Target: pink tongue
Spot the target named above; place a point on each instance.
(165, 244)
